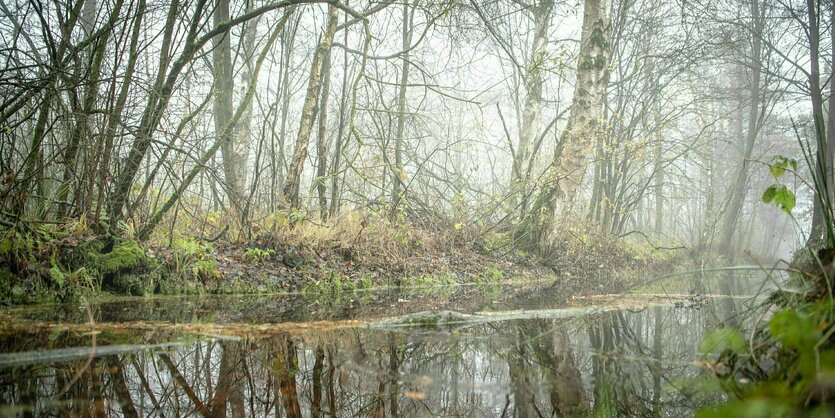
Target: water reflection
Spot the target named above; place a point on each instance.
(618, 363)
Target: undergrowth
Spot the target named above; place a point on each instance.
(297, 253)
(785, 367)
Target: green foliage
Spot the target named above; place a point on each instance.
(722, 339)
(11, 290)
(800, 380)
(192, 260)
(493, 241)
(205, 267)
(780, 164)
(190, 247)
(334, 284)
(6, 245)
(57, 275)
(781, 196)
(83, 278)
(257, 254)
(793, 330)
(297, 216)
(491, 274)
(778, 193)
(754, 408)
(794, 355)
(443, 279)
(365, 283)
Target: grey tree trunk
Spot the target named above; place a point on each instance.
(118, 108)
(321, 143)
(242, 139)
(755, 112)
(223, 106)
(397, 173)
(340, 135)
(294, 173)
(531, 114)
(81, 129)
(146, 230)
(825, 144)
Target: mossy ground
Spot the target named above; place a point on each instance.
(349, 254)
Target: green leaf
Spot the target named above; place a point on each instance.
(781, 196)
(768, 194)
(780, 164)
(57, 276)
(6, 245)
(721, 339)
(793, 330)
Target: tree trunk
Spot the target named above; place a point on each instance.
(564, 177)
(321, 143)
(81, 129)
(291, 187)
(532, 112)
(242, 137)
(822, 205)
(157, 102)
(163, 88)
(146, 230)
(223, 103)
(587, 102)
(340, 135)
(114, 116)
(737, 190)
(397, 173)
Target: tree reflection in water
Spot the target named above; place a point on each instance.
(619, 363)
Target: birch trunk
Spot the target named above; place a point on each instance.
(586, 107)
(294, 173)
(532, 112)
(569, 166)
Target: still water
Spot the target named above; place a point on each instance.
(513, 351)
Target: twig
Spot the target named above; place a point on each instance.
(680, 247)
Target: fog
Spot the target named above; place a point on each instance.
(659, 123)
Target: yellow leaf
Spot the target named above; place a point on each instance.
(415, 395)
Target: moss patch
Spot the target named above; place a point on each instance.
(124, 256)
(122, 265)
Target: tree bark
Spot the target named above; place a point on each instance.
(397, 173)
(586, 107)
(532, 111)
(566, 174)
(291, 187)
(164, 88)
(824, 137)
(223, 104)
(340, 135)
(321, 143)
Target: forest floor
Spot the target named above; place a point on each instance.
(353, 253)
